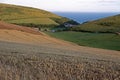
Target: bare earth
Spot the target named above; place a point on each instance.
(26, 54)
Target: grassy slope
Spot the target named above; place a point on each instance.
(20, 14)
(34, 20)
(106, 41)
(109, 24)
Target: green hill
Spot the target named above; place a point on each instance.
(28, 16)
(107, 25)
(102, 33)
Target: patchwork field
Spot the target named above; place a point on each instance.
(26, 54)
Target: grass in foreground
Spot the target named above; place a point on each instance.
(17, 66)
(98, 40)
(32, 62)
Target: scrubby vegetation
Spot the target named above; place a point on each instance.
(105, 25)
(99, 40)
(11, 12)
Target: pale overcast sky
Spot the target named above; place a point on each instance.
(70, 5)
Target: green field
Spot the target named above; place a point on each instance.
(98, 40)
(46, 21)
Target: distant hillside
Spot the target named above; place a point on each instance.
(28, 16)
(109, 24)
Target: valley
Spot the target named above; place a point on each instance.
(29, 53)
(30, 56)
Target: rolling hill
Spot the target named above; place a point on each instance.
(21, 34)
(105, 32)
(27, 54)
(28, 16)
(106, 25)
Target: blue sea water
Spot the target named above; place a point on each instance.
(84, 16)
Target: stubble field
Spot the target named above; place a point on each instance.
(33, 62)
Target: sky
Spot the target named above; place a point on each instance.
(70, 5)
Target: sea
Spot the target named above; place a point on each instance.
(85, 16)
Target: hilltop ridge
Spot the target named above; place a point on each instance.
(31, 17)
